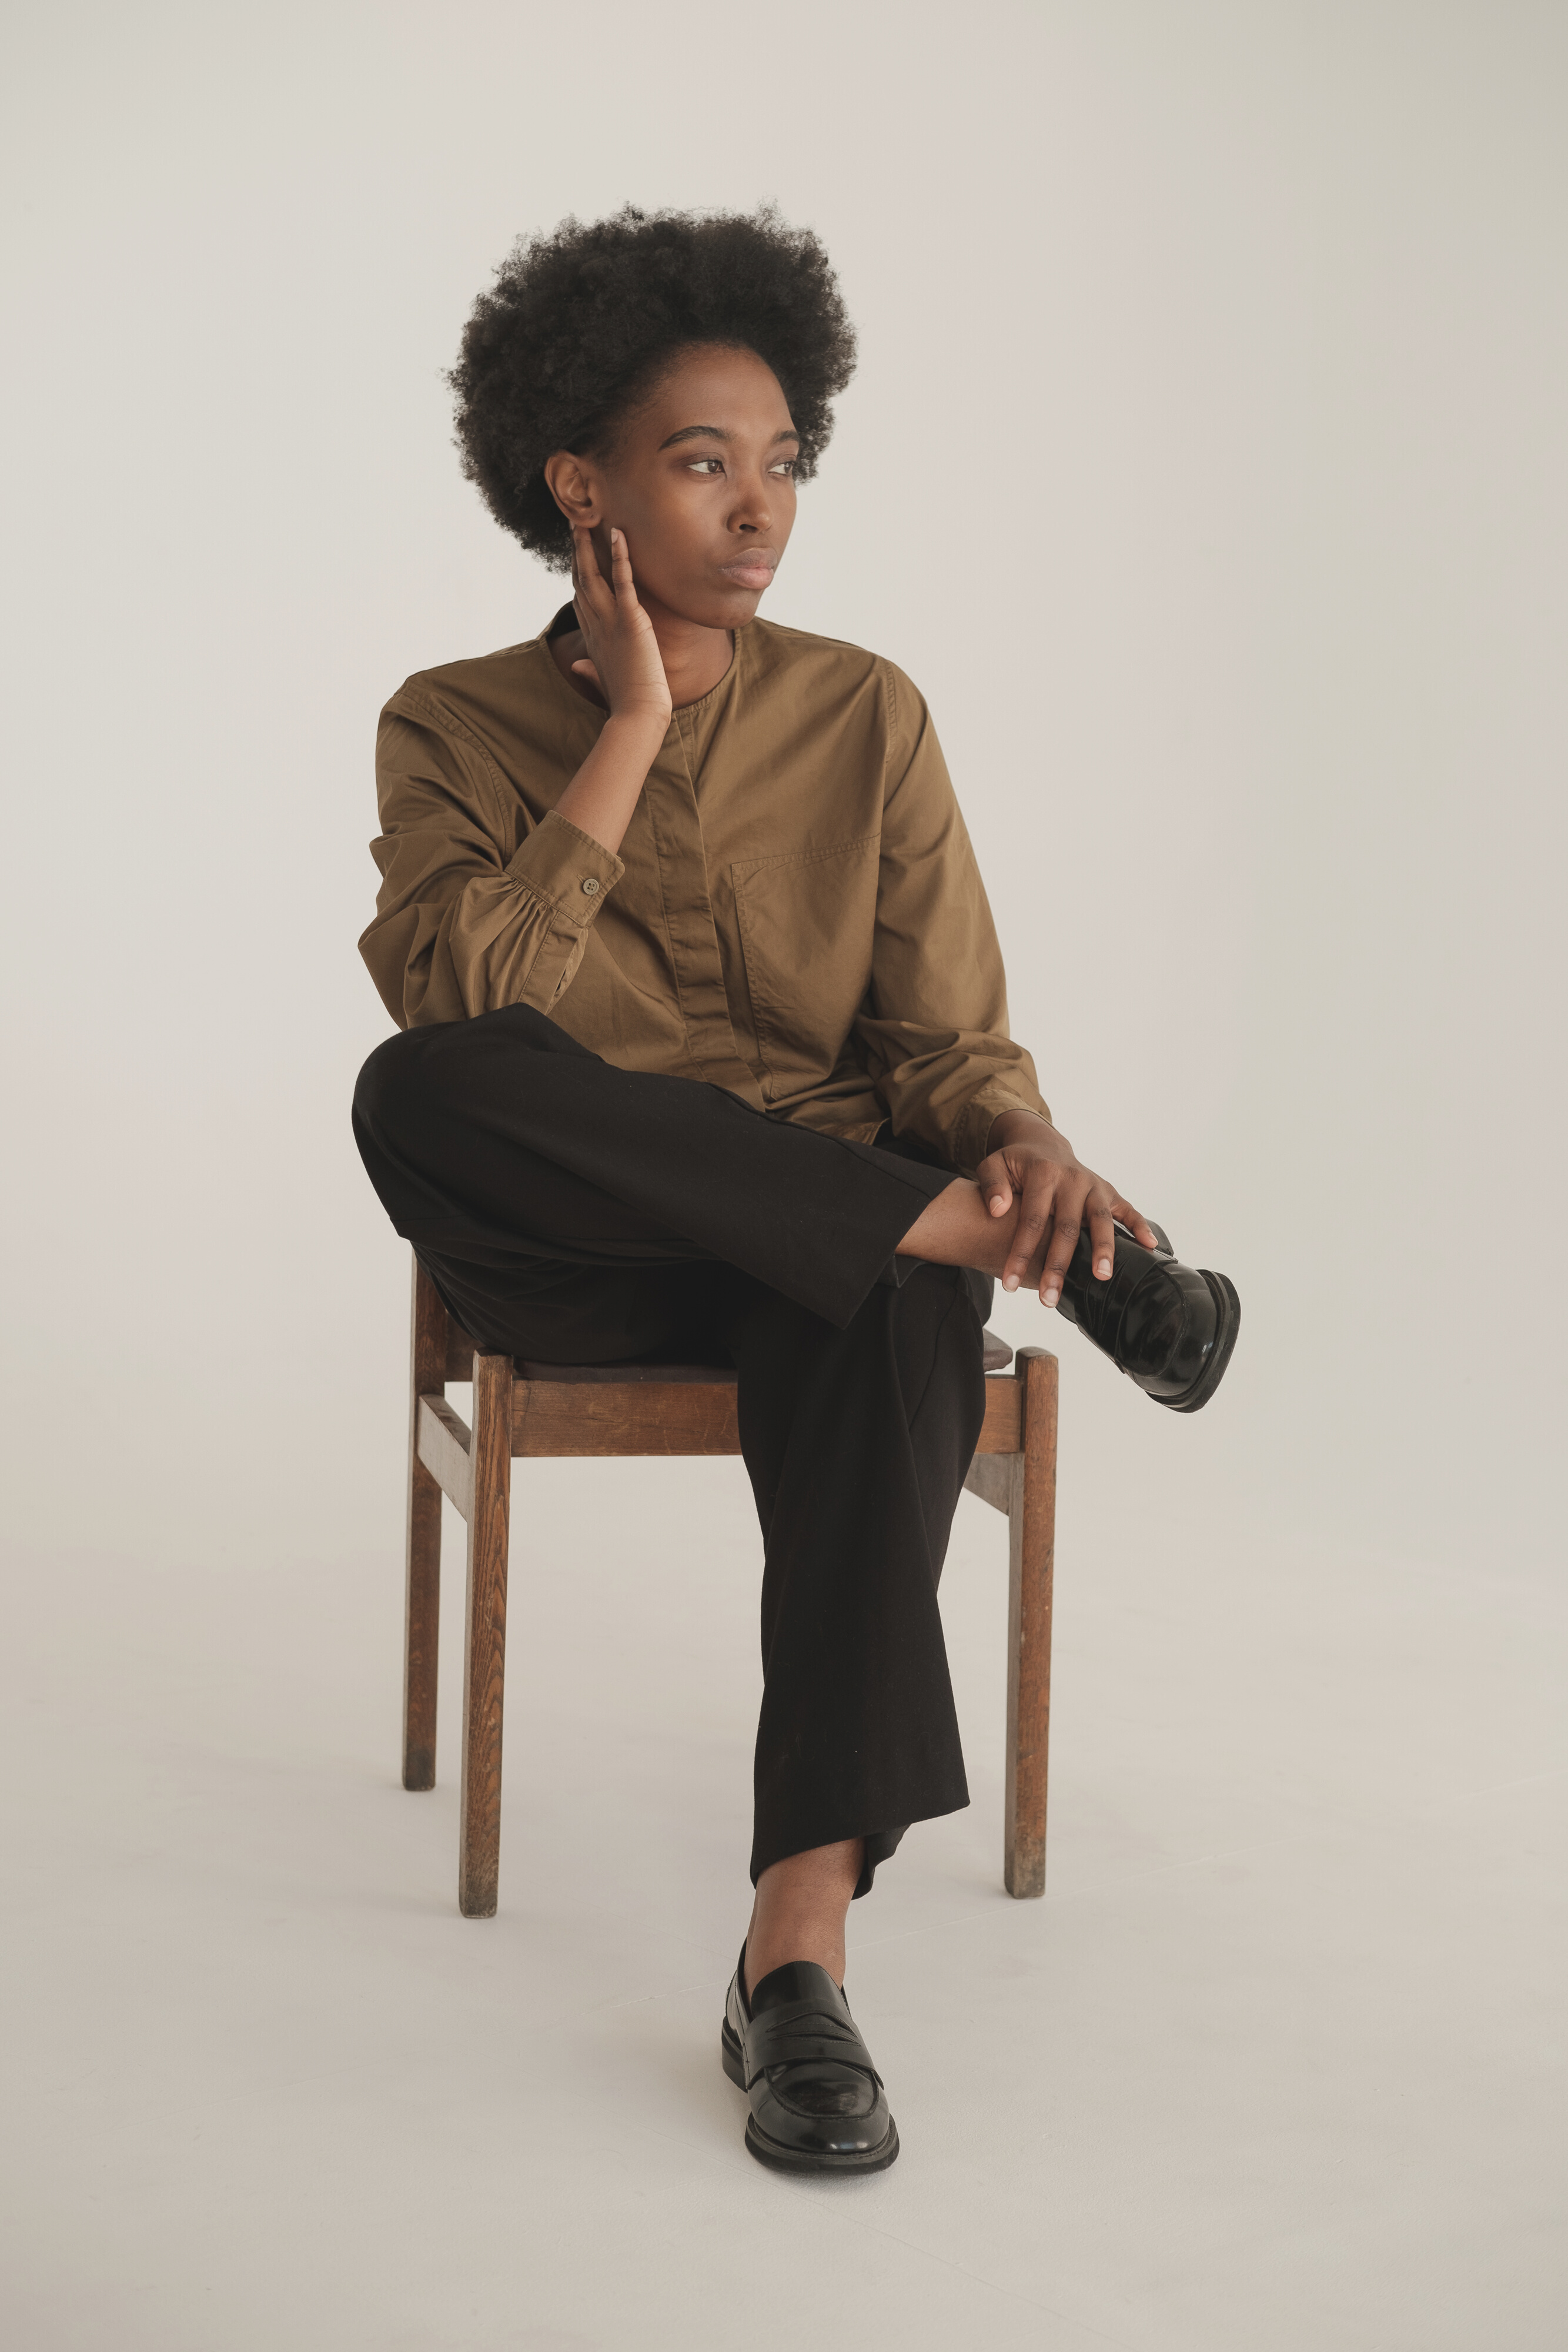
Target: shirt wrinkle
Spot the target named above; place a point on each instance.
(795, 913)
(428, 707)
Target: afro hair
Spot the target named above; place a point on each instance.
(580, 323)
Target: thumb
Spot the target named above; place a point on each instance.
(996, 1188)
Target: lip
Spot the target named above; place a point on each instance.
(755, 569)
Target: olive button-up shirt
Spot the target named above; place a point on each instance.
(796, 913)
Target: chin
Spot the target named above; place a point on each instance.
(718, 608)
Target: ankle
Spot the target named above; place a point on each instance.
(764, 1954)
(958, 1228)
(799, 1912)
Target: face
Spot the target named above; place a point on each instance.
(700, 478)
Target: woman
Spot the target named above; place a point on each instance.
(705, 1052)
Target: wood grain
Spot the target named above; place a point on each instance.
(687, 1417)
(446, 1448)
(662, 1375)
(551, 1417)
(994, 1477)
(1033, 1549)
(995, 1356)
(484, 1642)
(421, 1586)
(1002, 1432)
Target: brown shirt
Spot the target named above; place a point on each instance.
(796, 914)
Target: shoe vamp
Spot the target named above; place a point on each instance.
(820, 2088)
(1168, 1329)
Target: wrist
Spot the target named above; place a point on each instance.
(640, 728)
(1016, 1126)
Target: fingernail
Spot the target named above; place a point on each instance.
(1049, 1295)
(1009, 1282)
(1101, 1267)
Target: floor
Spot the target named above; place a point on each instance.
(1277, 2065)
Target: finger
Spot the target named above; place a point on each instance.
(586, 576)
(996, 1185)
(1137, 1225)
(586, 669)
(1036, 1210)
(1102, 1235)
(620, 580)
(1069, 1200)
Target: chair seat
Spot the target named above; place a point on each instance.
(996, 1356)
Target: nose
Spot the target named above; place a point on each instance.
(753, 509)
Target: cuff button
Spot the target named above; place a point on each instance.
(590, 888)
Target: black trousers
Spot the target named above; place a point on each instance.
(574, 1213)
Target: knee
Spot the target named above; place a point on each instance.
(396, 1092)
(436, 1074)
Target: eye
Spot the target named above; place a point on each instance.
(785, 465)
(709, 466)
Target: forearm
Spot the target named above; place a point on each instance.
(604, 791)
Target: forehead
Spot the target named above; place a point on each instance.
(713, 385)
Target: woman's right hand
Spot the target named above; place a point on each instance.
(622, 651)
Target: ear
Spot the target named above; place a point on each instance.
(574, 486)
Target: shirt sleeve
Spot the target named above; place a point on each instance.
(461, 927)
(935, 1029)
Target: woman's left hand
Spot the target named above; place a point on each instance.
(1029, 1163)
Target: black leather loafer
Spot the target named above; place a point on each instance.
(1168, 1327)
(817, 2101)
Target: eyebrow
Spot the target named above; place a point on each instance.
(717, 433)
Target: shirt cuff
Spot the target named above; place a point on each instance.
(971, 1138)
(569, 870)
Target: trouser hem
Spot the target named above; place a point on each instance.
(880, 1844)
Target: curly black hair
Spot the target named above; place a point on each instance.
(581, 323)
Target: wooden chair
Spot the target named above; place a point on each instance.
(554, 1409)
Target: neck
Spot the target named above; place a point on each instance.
(694, 658)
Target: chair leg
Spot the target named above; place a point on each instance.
(1032, 1546)
(422, 1619)
(485, 1647)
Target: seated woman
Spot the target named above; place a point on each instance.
(706, 1049)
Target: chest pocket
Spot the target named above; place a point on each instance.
(807, 919)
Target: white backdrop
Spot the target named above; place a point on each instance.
(1206, 466)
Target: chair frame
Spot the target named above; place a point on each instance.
(549, 1411)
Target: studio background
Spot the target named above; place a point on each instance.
(1204, 467)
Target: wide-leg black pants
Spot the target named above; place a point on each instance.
(574, 1213)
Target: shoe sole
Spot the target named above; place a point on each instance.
(789, 2159)
(1227, 1323)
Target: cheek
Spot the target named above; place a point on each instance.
(648, 506)
(672, 537)
(627, 505)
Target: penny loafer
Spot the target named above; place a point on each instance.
(817, 2101)
(1170, 1327)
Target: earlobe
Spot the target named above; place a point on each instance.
(572, 489)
